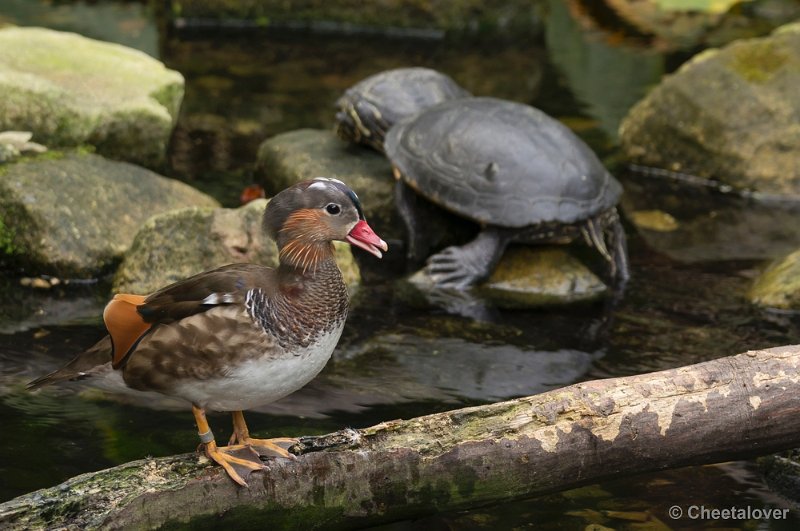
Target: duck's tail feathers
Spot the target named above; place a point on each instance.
(82, 366)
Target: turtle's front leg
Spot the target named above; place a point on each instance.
(461, 267)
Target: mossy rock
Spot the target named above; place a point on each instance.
(75, 214)
(528, 277)
(729, 114)
(179, 244)
(70, 90)
(779, 285)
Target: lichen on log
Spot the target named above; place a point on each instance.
(730, 408)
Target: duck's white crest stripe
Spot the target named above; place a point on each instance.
(328, 179)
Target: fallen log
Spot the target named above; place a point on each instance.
(730, 408)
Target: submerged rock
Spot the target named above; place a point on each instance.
(694, 224)
(74, 215)
(654, 220)
(525, 277)
(70, 90)
(728, 114)
(179, 244)
(779, 285)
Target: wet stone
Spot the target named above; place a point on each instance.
(729, 114)
(530, 277)
(70, 90)
(73, 215)
(527, 277)
(655, 220)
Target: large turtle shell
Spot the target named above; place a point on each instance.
(381, 100)
(500, 163)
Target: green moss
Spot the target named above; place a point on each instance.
(759, 60)
(529, 276)
(13, 221)
(7, 237)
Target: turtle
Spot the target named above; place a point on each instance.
(522, 175)
(370, 107)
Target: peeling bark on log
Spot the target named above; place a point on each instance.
(730, 408)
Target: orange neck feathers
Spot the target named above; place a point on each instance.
(306, 242)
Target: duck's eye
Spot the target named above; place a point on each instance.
(333, 209)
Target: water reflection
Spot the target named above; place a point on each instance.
(607, 77)
(25, 307)
(128, 23)
(710, 224)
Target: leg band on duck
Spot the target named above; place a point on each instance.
(206, 437)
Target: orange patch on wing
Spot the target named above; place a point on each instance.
(125, 326)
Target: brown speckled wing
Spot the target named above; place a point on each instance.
(196, 294)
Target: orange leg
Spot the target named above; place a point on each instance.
(277, 447)
(239, 461)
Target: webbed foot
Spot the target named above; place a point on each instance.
(239, 461)
(275, 447)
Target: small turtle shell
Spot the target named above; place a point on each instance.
(501, 163)
(370, 107)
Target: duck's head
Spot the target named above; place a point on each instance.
(305, 218)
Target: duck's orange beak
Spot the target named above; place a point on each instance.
(363, 236)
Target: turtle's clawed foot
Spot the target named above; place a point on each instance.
(456, 268)
(239, 461)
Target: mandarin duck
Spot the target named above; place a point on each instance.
(241, 335)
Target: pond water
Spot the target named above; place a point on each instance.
(401, 358)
